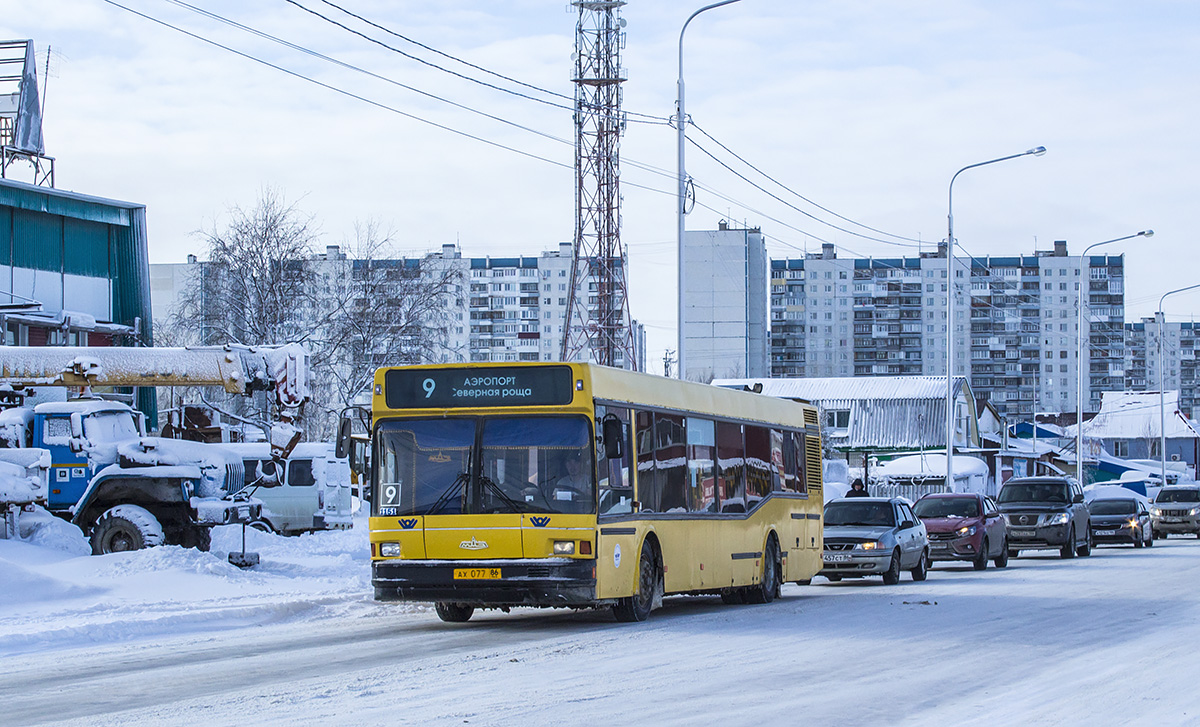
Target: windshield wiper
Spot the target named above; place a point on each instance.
(444, 498)
(489, 483)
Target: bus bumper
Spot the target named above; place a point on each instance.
(540, 582)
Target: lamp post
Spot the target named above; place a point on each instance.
(1161, 319)
(1036, 151)
(1082, 340)
(680, 121)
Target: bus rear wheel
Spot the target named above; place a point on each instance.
(454, 613)
(638, 606)
(768, 587)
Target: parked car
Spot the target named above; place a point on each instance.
(1121, 520)
(1046, 513)
(964, 526)
(314, 491)
(872, 536)
(1176, 510)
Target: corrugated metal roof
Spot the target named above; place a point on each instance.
(1135, 415)
(851, 387)
(886, 412)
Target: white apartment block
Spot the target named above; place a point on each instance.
(1174, 369)
(725, 311)
(1015, 331)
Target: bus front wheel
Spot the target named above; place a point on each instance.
(638, 606)
(454, 613)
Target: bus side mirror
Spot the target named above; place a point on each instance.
(342, 450)
(75, 443)
(614, 434)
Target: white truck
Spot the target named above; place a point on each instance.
(127, 490)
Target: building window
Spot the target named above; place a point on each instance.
(838, 419)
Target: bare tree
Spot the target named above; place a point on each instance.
(254, 287)
(393, 311)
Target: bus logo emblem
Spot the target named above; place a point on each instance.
(539, 522)
(408, 523)
(473, 544)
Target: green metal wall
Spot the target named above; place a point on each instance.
(63, 232)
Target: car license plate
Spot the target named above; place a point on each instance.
(940, 546)
(1106, 532)
(837, 558)
(1171, 519)
(476, 574)
(1022, 533)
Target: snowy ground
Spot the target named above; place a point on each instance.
(170, 636)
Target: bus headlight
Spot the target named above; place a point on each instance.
(564, 547)
(389, 550)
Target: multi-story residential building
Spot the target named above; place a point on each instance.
(489, 309)
(1016, 334)
(725, 311)
(1176, 366)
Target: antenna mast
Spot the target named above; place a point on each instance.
(597, 319)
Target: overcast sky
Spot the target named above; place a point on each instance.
(865, 107)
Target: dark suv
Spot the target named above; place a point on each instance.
(1045, 513)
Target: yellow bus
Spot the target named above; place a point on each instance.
(584, 486)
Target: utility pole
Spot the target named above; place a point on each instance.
(668, 359)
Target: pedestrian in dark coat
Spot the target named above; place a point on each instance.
(858, 489)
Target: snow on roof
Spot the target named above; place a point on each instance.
(845, 388)
(1135, 415)
(83, 406)
(931, 464)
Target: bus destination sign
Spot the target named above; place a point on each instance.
(498, 386)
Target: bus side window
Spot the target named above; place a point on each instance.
(670, 455)
(615, 485)
(701, 462)
(647, 477)
(758, 465)
(800, 471)
(731, 467)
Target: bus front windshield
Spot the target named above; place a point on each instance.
(534, 464)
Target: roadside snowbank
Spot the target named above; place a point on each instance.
(58, 596)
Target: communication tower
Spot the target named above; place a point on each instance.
(598, 326)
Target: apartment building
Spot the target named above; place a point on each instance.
(725, 311)
(1176, 365)
(1015, 334)
(494, 308)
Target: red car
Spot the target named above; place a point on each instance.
(964, 526)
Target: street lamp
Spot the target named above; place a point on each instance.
(1161, 319)
(1082, 339)
(1036, 151)
(680, 121)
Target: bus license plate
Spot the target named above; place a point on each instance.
(476, 574)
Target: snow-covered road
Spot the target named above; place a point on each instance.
(1102, 640)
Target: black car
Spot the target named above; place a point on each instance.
(1121, 520)
(1045, 513)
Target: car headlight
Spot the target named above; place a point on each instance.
(873, 545)
(1155, 511)
(1131, 523)
(965, 532)
(1057, 519)
(1194, 511)
(564, 547)
(389, 550)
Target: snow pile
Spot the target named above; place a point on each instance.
(14, 426)
(56, 596)
(24, 475)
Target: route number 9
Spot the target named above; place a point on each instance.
(428, 385)
(391, 495)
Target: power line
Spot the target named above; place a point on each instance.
(410, 56)
(335, 89)
(352, 67)
(783, 186)
(777, 198)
